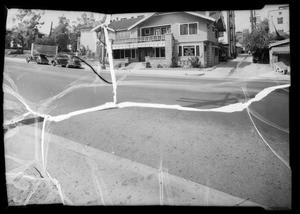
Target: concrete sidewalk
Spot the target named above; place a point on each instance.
(239, 68)
(87, 176)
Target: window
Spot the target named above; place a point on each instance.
(163, 30)
(127, 53)
(216, 34)
(162, 52)
(159, 52)
(189, 50)
(280, 20)
(180, 51)
(280, 13)
(197, 50)
(147, 31)
(124, 53)
(193, 28)
(186, 29)
(132, 53)
(157, 31)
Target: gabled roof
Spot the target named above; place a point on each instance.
(124, 24)
(281, 50)
(279, 43)
(218, 16)
(90, 25)
(128, 24)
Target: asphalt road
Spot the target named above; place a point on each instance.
(221, 150)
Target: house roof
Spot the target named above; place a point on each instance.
(279, 43)
(218, 16)
(124, 24)
(128, 24)
(281, 50)
(90, 25)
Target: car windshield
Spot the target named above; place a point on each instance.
(150, 120)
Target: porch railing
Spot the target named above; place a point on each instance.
(140, 39)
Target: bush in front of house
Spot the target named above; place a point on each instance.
(195, 63)
(118, 65)
(174, 63)
(159, 66)
(148, 65)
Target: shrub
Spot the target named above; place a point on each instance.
(118, 65)
(174, 63)
(148, 65)
(159, 66)
(195, 63)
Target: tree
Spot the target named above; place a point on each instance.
(258, 40)
(25, 29)
(61, 34)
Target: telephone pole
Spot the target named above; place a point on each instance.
(252, 19)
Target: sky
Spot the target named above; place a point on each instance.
(242, 20)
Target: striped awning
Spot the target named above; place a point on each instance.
(281, 50)
(138, 45)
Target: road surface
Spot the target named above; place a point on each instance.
(234, 153)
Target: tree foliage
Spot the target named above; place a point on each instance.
(25, 28)
(259, 38)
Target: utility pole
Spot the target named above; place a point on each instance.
(50, 29)
(252, 20)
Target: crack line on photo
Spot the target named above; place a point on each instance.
(278, 156)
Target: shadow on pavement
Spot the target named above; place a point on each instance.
(229, 98)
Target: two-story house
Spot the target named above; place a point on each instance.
(160, 38)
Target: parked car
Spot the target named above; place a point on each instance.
(66, 60)
(18, 51)
(39, 59)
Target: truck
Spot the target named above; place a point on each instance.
(39, 53)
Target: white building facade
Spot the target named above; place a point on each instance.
(280, 20)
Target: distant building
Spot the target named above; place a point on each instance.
(87, 38)
(280, 52)
(227, 39)
(279, 20)
(239, 36)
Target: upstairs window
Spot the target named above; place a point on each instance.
(280, 20)
(193, 28)
(186, 29)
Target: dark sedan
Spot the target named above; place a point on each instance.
(66, 60)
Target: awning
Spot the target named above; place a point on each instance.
(138, 45)
(281, 50)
